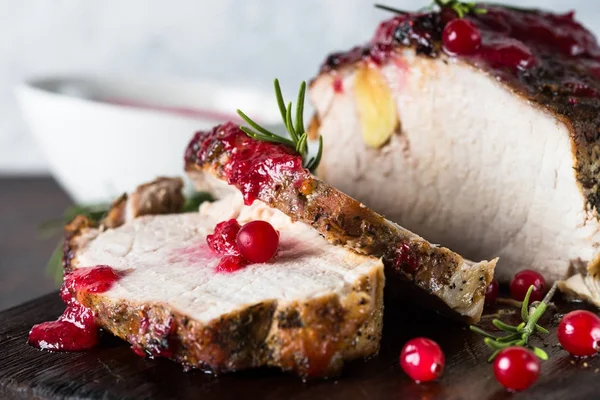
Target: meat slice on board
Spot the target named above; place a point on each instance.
(273, 173)
(310, 309)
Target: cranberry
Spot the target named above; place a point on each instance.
(579, 333)
(580, 89)
(405, 259)
(516, 368)
(338, 85)
(138, 350)
(422, 359)
(523, 280)
(231, 264)
(491, 293)
(258, 241)
(223, 240)
(461, 36)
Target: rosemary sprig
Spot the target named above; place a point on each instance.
(192, 203)
(294, 124)
(391, 9)
(461, 8)
(519, 335)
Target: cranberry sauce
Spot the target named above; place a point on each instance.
(404, 258)
(231, 264)
(206, 114)
(223, 242)
(253, 166)
(157, 337)
(76, 328)
(536, 51)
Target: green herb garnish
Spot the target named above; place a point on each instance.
(391, 9)
(461, 8)
(519, 335)
(192, 203)
(298, 137)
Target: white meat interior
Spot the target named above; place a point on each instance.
(167, 261)
(474, 167)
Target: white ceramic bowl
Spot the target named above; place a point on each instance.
(98, 148)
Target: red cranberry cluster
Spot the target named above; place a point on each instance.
(255, 242)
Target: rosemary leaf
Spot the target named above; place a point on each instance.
(298, 137)
(264, 138)
(255, 125)
(505, 327)
(300, 108)
(280, 101)
(540, 353)
(510, 338)
(289, 124)
(481, 332)
(193, 202)
(301, 145)
(541, 329)
(390, 9)
(525, 306)
(494, 354)
(494, 344)
(54, 266)
(314, 161)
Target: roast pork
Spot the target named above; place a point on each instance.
(492, 153)
(310, 309)
(273, 173)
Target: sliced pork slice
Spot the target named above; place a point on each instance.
(310, 309)
(494, 153)
(273, 174)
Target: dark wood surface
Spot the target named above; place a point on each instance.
(24, 204)
(112, 371)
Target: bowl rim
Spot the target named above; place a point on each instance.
(151, 92)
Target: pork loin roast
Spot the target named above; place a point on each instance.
(493, 152)
(273, 174)
(314, 306)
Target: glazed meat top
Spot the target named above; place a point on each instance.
(548, 58)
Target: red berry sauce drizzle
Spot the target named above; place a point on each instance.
(76, 328)
(253, 166)
(404, 259)
(156, 338)
(536, 51)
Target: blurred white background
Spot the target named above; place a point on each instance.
(233, 41)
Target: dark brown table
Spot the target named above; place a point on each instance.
(24, 204)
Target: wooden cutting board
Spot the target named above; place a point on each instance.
(113, 371)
